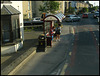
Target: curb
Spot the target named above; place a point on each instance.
(21, 64)
(25, 60)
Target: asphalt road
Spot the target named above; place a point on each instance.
(82, 54)
(84, 59)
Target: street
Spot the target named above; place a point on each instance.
(85, 53)
(81, 52)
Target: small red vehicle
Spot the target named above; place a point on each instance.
(85, 15)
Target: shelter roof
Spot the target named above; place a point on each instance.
(9, 10)
(58, 17)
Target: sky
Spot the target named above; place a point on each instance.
(95, 3)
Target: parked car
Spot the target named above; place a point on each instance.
(98, 19)
(36, 19)
(96, 14)
(72, 18)
(85, 15)
(93, 11)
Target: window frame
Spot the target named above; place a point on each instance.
(28, 5)
(11, 19)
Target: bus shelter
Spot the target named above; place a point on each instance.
(48, 23)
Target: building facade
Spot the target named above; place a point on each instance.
(66, 6)
(35, 8)
(31, 9)
(12, 32)
(61, 6)
(27, 9)
(81, 5)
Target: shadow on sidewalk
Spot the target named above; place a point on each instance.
(29, 43)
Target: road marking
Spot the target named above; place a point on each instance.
(53, 73)
(73, 30)
(63, 70)
(96, 38)
(95, 42)
(70, 53)
(98, 29)
(94, 35)
(58, 72)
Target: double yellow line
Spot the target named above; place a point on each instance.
(64, 69)
(65, 66)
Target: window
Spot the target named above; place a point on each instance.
(67, 16)
(60, 5)
(29, 15)
(28, 5)
(10, 31)
(65, 6)
(75, 16)
(5, 29)
(15, 28)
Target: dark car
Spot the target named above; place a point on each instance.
(96, 14)
(85, 15)
(93, 11)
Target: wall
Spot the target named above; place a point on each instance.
(11, 49)
(25, 9)
(35, 8)
(14, 48)
(61, 6)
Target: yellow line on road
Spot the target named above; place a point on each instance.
(63, 70)
(70, 53)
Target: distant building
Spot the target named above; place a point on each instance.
(12, 33)
(31, 9)
(66, 6)
(61, 6)
(73, 3)
(81, 5)
(35, 8)
(86, 5)
(27, 9)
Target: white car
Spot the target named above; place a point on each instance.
(72, 18)
(96, 14)
(37, 19)
(98, 19)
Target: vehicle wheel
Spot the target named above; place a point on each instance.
(78, 19)
(72, 20)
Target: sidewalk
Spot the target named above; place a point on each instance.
(9, 62)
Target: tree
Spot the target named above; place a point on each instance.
(85, 9)
(49, 7)
(87, 2)
(71, 10)
(95, 8)
(42, 9)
